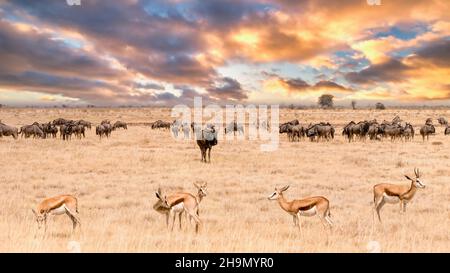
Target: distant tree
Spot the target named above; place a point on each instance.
(380, 106)
(354, 104)
(326, 101)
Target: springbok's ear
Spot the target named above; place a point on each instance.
(34, 212)
(285, 188)
(158, 195)
(409, 178)
(205, 184)
(196, 185)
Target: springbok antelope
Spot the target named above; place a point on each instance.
(180, 203)
(61, 204)
(317, 205)
(390, 193)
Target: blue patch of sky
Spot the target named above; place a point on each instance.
(406, 32)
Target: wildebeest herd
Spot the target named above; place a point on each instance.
(66, 129)
(206, 137)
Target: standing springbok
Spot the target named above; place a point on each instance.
(317, 205)
(390, 193)
(61, 204)
(180, 203)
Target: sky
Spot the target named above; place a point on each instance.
(166, 52)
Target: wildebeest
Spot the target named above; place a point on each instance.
(286, 128)
(102, 130)
(50, 129)
(60, 121)
(427, 130)
(429, 121)
(86, 124)
(79, 131)
(353, 129)
(32, 130)
(161, 124)
(394, 131)
(323, 130)
(206, 139)
(66, 130)
(120, 124)
(6, 130)
(408, 132)
(443, 121)
(447, 130)
(234, 127)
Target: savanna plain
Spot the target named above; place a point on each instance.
(115, 179)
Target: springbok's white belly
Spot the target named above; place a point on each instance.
(390, 199)
(59, 210)
(178, 208)
(311, 212)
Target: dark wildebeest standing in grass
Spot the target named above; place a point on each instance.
(443, 121)
(60, 121)
(101, 131)
(32, 130)
(323, 130)
(447, 130)
(427, 130)
(50, 130)
(353, 129)
(6, 130)
(206, 139)
(66, 130)
(86, 124)
(120, 124)
(408, 132)
(159, 124)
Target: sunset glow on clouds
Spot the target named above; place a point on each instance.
(137, 52)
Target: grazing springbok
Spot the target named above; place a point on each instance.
(180, 203)
(61, 204)
(390, 193)
(317, 205)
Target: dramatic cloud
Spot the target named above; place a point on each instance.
(390, 71)
(162, 52)
(227, 89)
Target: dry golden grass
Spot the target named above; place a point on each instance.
(115, 180)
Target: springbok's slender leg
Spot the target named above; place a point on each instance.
(329, 221)
(378, 208)
(173, 220)
(294, 218)
(179, 218)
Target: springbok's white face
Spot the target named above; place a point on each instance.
(416, 181)
(419, 184)
(202, 189)
(274, 195)
(162, 200)
(277, 193)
